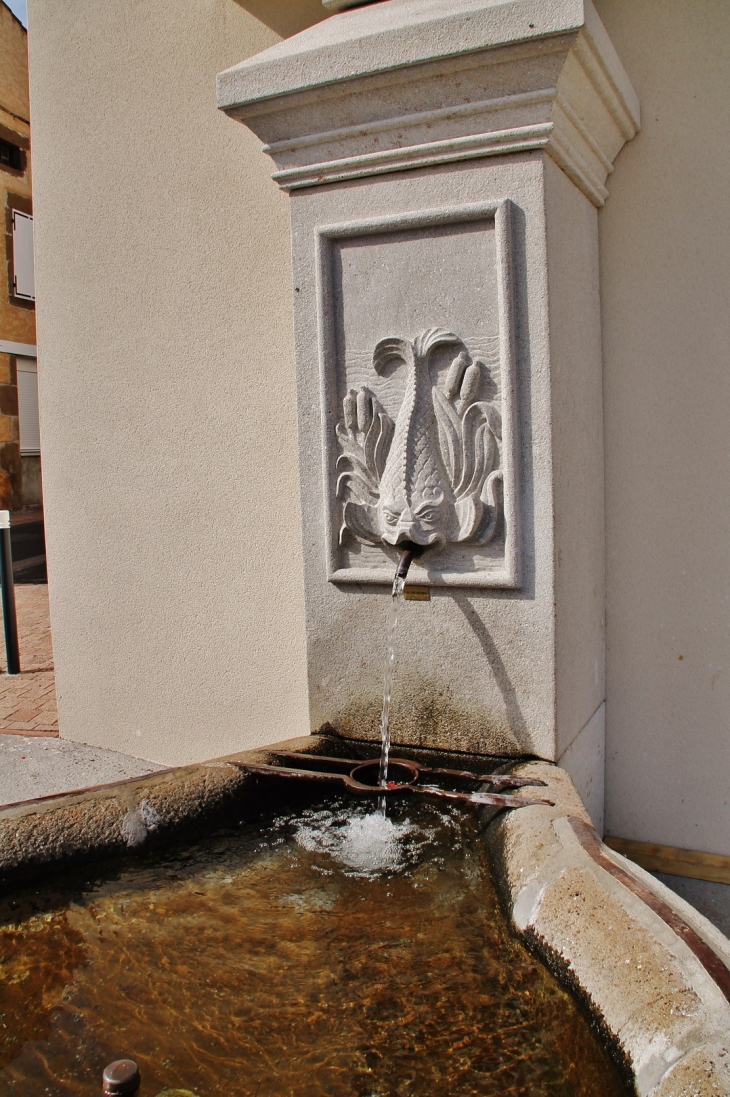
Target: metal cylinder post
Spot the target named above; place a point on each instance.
(10, 620)
(121, 1077)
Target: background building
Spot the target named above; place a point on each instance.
(20, 482)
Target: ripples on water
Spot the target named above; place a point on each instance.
(328, 952)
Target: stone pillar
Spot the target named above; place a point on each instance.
(446, 160)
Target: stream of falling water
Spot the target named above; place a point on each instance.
(388, 674)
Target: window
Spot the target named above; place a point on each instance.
(23, 273)
(10, 155)
(30, 431)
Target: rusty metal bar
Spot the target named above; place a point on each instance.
(348, 780)
(501, 780)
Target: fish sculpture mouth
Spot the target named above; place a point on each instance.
(409, 535)
(433, 477)
(425, 527)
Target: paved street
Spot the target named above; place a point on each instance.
(32, 767)
(28, 699)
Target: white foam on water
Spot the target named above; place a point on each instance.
(366, 844)
(373, 843)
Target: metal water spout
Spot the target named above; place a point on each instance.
(409, 554)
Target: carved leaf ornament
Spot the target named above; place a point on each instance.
(434, 476)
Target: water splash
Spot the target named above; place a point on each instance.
(396, 595)
(364, 843)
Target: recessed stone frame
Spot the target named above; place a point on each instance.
(501, 573)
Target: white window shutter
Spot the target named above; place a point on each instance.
(30, 431)
(23, 273)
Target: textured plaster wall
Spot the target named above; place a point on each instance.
(167, 386)
(665, 283)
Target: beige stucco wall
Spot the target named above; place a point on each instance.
(665, 272)
(166, 384)
(167, 398)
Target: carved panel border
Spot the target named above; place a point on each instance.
(505, 575)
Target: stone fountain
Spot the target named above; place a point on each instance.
(446, 160)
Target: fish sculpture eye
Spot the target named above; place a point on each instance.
(433, 477)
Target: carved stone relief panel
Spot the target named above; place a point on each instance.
(418, 383)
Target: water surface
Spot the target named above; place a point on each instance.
(329, 952)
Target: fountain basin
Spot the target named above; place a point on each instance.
(644, 982)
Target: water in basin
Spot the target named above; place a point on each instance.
(323, 951)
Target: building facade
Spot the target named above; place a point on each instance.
(20, 483)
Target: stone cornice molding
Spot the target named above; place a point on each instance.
(393, 35)
(413, 83)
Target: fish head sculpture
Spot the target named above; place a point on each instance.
(423, 523)
(432, 477)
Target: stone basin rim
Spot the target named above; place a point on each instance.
(663, 1015)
